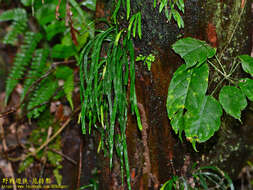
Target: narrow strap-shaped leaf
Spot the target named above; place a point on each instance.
(128, 8)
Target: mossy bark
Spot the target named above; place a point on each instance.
(223, 24)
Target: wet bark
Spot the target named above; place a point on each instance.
(224, 25)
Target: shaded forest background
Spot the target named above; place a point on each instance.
(230, 149)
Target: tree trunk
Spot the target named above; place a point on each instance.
(156, 153)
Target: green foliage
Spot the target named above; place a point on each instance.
(38, 68)
(18, 26)
(171, 11)
(133, 22)
(65, 73)
(189, 108)
(147, 60)
(186, 91)
(207, 177)
(42, 95)
(233, 101)
(247, 63)
(193, 51)
(22, 59)
(246, 85)
(104, 82)
(14, 14)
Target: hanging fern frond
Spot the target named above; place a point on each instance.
(22, 59)
(38, 68)
(17, 27)
(19, 17)
(104, 83)
(14, 14)
(42, 95)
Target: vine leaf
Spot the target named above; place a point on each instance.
(233, 101)
(246, 85)
(201, 123)
(247, 63)
(187, 89)
(193, 51)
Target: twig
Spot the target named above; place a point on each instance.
(47, 141)
(5, 149)
(233, 32)
(80, 165)
(63, 155)
(147, 165)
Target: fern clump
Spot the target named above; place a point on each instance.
(42, 95)
(22, 59)
(38, 68)
(19, 25)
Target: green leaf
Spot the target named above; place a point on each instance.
(57, 176)
(201, 123)
(66, 73)
(25, 164)
(187, 90)
(193, 51)
(91, 4)
(128, 8)
(46, 13)
(233, 101)
(62, 51)
(246, 86)
(14, 14)
(247, 63)
(22, 59)
(139, 24)
(26, 2)
(54, 28)
(69, 88)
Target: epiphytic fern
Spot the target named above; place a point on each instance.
(22, 59)
(19, 17)
(38, 67)
(42, 95)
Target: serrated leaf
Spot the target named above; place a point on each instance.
(233, 101)
(193, 51)
(247, 63)
(187, 89)
(201, 123)
(246, 85)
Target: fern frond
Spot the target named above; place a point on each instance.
(22, 59)
(38, 68)
(69, 88)
(14, 14)
(41, 95)
(17, 27)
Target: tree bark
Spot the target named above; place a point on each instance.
(156, 154)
